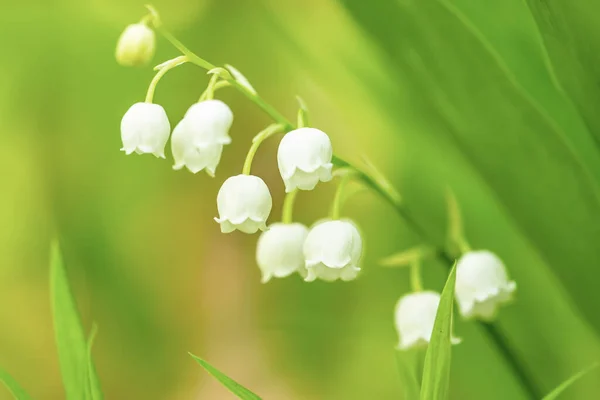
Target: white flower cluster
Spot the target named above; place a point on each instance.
(331, 250)
(197, 140)
(482, 286)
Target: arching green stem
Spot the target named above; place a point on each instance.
(288, 207)
(463, 246)
(221, 84)
(303, 115)
(202, 63)
(209, 93)
(164, 68)
(256, 142)
(416, 283)
(338, 200)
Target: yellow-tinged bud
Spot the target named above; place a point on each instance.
(136, 46)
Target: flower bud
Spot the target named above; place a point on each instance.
(482, 285)
(332, 251)
(244, 203)
(304, 158)
(279, 250)
(136, 46)
(145, 129)
(414, 318)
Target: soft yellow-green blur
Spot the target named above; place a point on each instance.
(148, 262)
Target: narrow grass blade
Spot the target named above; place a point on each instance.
(13, 387)
(436, 372)
(93, 391)
(70, 339)
(226, 381)
(566, 384)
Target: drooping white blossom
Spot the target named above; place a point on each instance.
(482, 284)
(145, 129)
(210, 121)
(304, 158)
(244, 203)
(414, 317)
(136, 46)
(194, 156)
(198, 139)
(279, 250)
(332, 251)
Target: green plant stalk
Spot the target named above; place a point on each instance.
(256, 142)
(202, 63)
(416, 284)
(303, 117)
(165, 67)
(288, 207)
(209, 93)
(387, 193)
(336, 207)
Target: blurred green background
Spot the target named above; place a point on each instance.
(498, 100)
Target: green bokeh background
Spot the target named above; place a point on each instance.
(496, 100)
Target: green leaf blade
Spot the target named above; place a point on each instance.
(93, 390)
(226, 381)
(570, 33)
(566, 384)
(71, 343)
(13, 387)
(468, 93)
(436, 372)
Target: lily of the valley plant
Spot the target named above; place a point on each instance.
(330, 250)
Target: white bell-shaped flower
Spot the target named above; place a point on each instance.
(209, 122)
(244, 203)
(145, 129)
(136, 46)
(482, 284)
(198, 139)
(279, 250)
(194, 156)
(332, 251)
(414, 318)
(304, 158)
